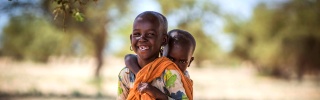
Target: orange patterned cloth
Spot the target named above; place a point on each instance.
(153, 70)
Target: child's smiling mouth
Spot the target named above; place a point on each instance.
(142, 48)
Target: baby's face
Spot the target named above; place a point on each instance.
(181, 56)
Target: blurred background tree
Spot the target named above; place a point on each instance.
(31, 36)
(94, 27)
(282, 41)
(27, 42)
(192, 16)
(88, 28)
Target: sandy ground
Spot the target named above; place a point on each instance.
(71, 78)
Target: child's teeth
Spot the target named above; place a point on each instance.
(143, 47)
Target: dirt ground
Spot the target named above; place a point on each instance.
(72, 78)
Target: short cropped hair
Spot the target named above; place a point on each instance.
(162, 20)
(183, 38)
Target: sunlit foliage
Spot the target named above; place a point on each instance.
(283, 40)
(29, 37)
(193, 16)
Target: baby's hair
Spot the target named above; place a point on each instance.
(183, 38)
(162, 20)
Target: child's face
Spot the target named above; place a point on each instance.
(146, 39)
(181, 55)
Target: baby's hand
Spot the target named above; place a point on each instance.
(143, 87)
(151, 90)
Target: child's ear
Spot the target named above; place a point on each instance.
(192, 58)
(130, 39)
(165, 40)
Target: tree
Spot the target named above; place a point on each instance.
(93, 27)
(25, 41)
(283, 41)
(193, 16)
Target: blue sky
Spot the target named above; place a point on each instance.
(243, 8)
(3, 22)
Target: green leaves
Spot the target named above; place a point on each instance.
(78, 17)
(65, 7)
(279, 39)
(24, 40)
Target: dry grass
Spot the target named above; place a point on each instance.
(65, 78)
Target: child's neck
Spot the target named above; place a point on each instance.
(144, 62)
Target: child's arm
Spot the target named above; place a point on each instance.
(131, 62)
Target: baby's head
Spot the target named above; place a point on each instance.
(148, 35)
(180, 48)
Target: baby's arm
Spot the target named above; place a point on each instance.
(131, 62)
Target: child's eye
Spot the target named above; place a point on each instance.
(151, 34)
(183, 61)
(135, 33)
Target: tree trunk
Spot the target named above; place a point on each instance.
(99, 43)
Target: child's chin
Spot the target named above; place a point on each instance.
(144, 56)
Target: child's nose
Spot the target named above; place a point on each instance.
(143, 38)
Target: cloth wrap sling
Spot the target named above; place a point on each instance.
(153, 70)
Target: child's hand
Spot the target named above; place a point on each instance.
(151, 90)
(143, 88)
